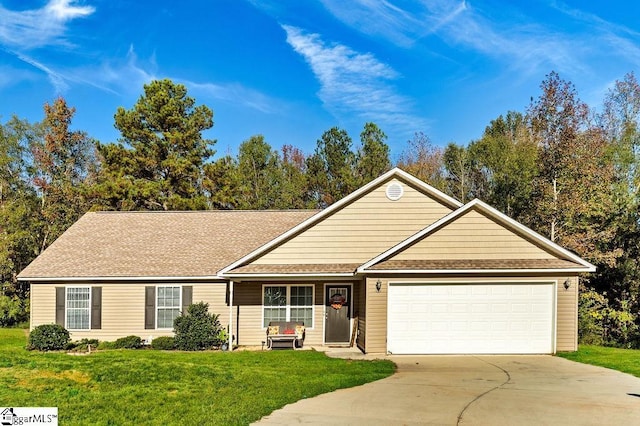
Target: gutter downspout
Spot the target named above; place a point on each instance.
(231, 315)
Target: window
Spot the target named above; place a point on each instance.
(275, 304)
(302, 304)
(168, 306)
(78, 308)
(288, 303)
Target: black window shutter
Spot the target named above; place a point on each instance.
(187, 297)
(96, 308)
(60, 305)
(150, 308)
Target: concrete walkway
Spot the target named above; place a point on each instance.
(478, 390)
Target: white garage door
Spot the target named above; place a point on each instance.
(514, 318)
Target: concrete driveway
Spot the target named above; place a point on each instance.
(478, 390)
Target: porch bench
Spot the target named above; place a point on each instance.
(285, 334)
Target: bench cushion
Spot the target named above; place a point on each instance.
(273, 329)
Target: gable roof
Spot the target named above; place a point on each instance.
(226, 244)
(565, 260)
(239, 267)
(195, 244)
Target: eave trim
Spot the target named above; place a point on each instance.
(474, 271)
(131, 278)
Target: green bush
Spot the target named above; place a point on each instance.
(48, 337)
(106, 345)
(196, 329)
(13, 311)
(163, 343)
(129, 342)
(83, 345)
(601, 324)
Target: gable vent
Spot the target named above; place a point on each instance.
(394, 191)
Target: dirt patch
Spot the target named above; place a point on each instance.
(43, 378)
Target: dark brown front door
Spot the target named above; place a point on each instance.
(337, 308)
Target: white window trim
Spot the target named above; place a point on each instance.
(288, 303)
(164, 307)
(66, 299)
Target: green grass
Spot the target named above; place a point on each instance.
(157, 387)
(625, 360)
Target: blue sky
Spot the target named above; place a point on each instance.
(292, 69)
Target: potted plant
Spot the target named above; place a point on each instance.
(223, 340)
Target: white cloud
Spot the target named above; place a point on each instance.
(120, 77)
(34, 28)
(128, 75)
(527, 46)
(354, 82)
(610, 37)
(64, 10)
(22, 31)
(124, 75)
(57, 80)
(235, 93)
(403, 25)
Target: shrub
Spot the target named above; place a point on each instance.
(83, 345)
(601, 324)
(106, 345)
(196, 329)
(163, 343)
(13, 311)
(48, 337)
(590, 327)
(129, 342)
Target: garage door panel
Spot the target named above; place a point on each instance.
(521, 291)
(459, 308)
(480, 291)
(471, 318)
(460, 291)
(419, 307)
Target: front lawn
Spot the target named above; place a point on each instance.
(157, 387)
(625, 360)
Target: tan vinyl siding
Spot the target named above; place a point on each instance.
(566, 302)
(376, 331)
(215, 295)
(362, 315)
(567, 317)
(122, 314)
(122, 307)
(361, 230)
(473, 236)
(247, 303)
(43, 304)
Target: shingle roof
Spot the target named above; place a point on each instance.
(293, 269)
(472, 264)
(159, 244)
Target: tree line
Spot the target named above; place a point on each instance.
(560, 167)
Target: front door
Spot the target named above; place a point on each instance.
(337, 313)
